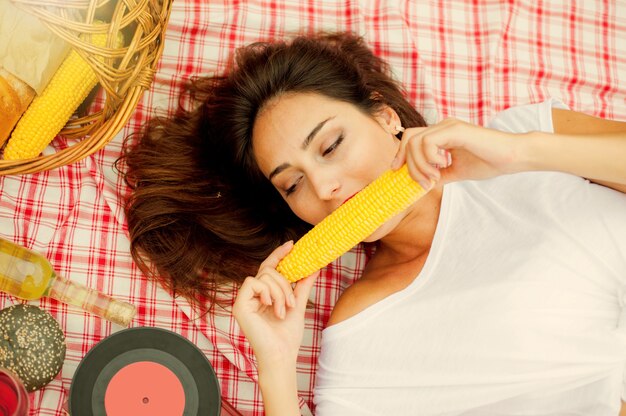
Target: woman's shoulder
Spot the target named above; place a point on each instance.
(527, 117)
(353, 300)
(376, 284)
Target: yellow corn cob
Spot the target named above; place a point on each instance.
(351, 223)
(49, 112)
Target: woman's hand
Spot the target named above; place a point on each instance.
(271, 313)
(455, 150)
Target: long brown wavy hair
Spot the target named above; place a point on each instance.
(200, 214)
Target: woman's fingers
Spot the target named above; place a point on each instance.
(253, 294)
(425, 151)
(266, 290)
(415, 155)
(279, 289)
(272, 289)
(400, 158)
(420, 168)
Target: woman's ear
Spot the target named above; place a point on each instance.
(388, 119)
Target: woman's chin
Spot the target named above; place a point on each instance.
(379, 233)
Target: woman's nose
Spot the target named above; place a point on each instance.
(325, 188)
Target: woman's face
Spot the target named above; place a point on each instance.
(319, 152)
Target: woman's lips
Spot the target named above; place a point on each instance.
(349, 198)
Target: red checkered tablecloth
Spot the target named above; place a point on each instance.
(468, 59)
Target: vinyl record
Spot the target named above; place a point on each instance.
(144, 371)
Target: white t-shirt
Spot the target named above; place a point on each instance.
(515, 312)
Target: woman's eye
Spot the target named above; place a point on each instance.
(292, 188)
(333, 146)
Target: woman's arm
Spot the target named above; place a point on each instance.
(279, 388)
(271, 315)
(581, 145)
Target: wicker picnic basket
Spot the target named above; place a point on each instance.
(124, 74)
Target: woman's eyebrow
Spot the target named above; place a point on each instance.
(278, 169)
(313, 132)
(305, 144)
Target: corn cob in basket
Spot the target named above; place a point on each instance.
(48, 113)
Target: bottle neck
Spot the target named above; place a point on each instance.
(91, 300)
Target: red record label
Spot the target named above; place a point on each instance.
(144, 388)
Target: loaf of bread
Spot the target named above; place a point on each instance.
(15, 96)
(32, 344)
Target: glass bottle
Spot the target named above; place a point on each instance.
(28, 275)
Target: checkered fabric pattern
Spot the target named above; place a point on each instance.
(467, 59)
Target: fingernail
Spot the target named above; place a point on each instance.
(282, 312)
(448, 157)
(292, 300)
(395, 163)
